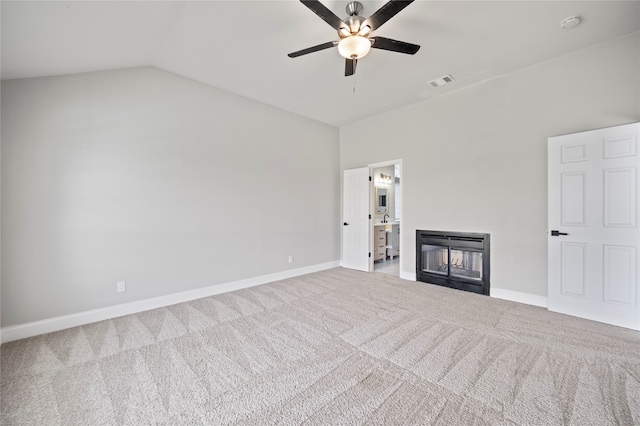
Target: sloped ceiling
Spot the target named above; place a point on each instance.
(242, 46)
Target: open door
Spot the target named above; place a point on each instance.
(355, 219)
(594, 240)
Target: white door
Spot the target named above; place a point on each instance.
(355, 219)
(593, 241)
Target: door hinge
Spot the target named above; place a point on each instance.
(369, 254)
(369, 217)
(369, 178)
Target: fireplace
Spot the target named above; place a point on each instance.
(457, 260)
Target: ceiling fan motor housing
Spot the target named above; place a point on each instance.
(354, 20)
(354, 23)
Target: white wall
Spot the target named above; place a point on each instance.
(145, 176)
(476, 159)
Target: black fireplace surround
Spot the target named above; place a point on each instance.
(457, 260)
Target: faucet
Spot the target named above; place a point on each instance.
(384, 218)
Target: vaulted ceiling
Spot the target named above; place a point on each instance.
(242, 46)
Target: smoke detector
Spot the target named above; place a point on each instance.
(570, 23)
(441, 81)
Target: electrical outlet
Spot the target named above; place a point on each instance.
(121, 286)
(290, 259)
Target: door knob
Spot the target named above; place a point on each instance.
(345, 224)
(555, 233)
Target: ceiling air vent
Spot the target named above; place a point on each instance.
(441, 81)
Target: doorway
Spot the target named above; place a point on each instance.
(386, 217)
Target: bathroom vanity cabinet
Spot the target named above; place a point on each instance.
(393, 241)
(379, 242)
(386, 241)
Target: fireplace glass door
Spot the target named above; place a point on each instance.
(466, 264)
(451, 262)
(435, 259)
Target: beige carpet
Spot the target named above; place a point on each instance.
(334, 347)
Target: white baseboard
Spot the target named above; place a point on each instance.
(498, 293)
(516, 296)
(15, 332)
(411, 276)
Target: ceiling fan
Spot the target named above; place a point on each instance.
(354, 32)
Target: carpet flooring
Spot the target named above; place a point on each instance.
(337, 347)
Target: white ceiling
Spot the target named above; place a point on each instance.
(242, 46)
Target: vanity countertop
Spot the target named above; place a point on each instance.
(388, 226)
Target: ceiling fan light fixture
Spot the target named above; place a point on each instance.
(354, 47)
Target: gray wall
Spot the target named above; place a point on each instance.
(144, 176)
(476, 158)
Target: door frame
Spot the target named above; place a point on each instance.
(372, 206)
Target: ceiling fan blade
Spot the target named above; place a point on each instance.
(394, 45)
(312, 49)
(350, 67)
(385, 13)
(328, 16)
